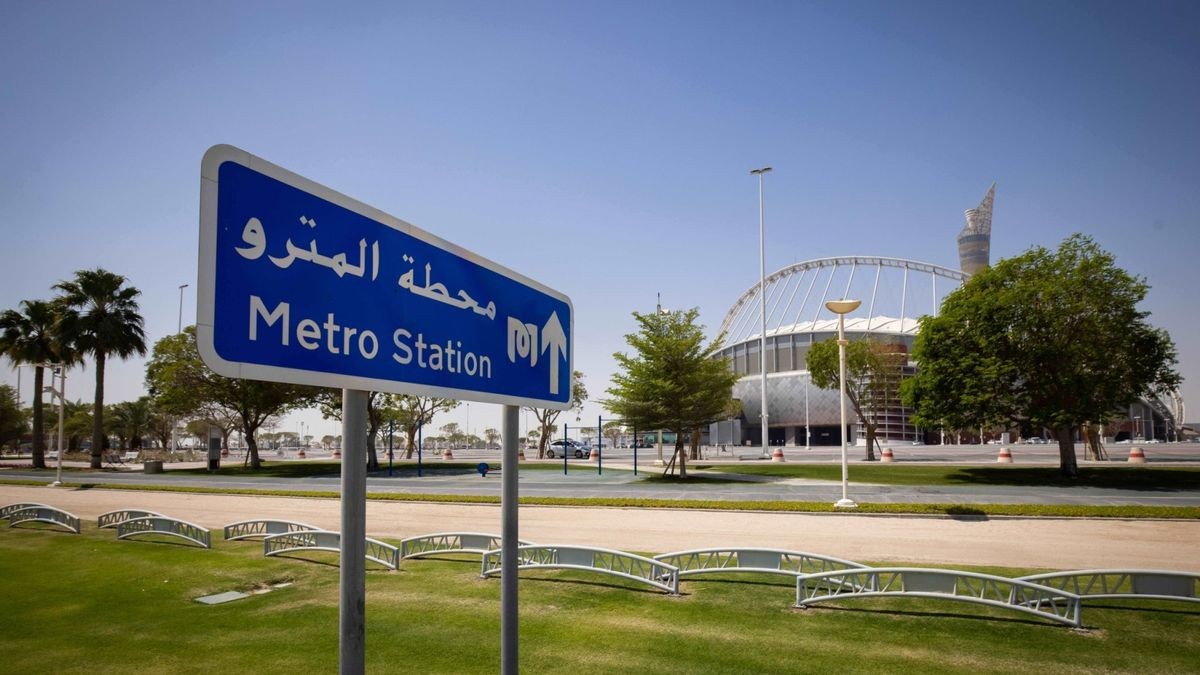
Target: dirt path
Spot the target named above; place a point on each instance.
(1050, 543)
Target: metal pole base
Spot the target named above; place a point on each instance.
(55, 484)
(845, 504)
(777, 456)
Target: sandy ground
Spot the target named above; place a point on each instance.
(1048, 543)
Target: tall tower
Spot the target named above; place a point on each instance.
(975, 241)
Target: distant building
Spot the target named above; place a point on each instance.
(975, 240)
(894, 293)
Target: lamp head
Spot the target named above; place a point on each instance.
(759, 172)
(842, 306)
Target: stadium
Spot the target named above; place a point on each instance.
(895, 293)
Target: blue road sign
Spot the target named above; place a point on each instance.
(301, 284)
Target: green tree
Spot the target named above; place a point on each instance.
(1054, 339)
(547, 416)
(453, 434)
(78, 424)
(131, 420)
(410, 413)
(614, 431)
(872, 374)
(182, 384)
(672, 382)
(491, 436)
(12, 418)
(29, 336)
(329, 401)
(100, 317)
(161, 424)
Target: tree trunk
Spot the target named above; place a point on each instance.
(1067, 465)
(695, 445)
(98, 413)
(39, 433)
(372, 457)
(543, 439)
(252, 449)
(680, 454)
(870, 441)
(411, 434)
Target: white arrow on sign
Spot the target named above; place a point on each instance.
(555, 339)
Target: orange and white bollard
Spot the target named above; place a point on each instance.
(1005, 457)
(886, 455)
(337, 453)
(521, 455)
(448, 454)
(594, 455)
(1136, 456)
(301, 454)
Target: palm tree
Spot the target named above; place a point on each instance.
(101, 317)
(28, 337)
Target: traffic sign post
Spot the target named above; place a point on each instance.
(304, 285)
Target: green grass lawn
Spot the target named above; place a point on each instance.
(91, 604)
(1121, 477)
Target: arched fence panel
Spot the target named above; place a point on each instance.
(605, 561)
(451, 542)
(1118, 583)
(115, 518)
(753, 560)
(246, 529)
(44, 514)
(982, 589)
(171, 527)
(18, 506)
(324, 540)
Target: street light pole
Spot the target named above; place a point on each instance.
(842, 308)
(178, 330)
(776, 456)
(61, 393)
(179, 325)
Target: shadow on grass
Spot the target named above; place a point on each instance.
(968, 513)
(372, 568)
(936, 615)
(34, 526)
(594, 584)
(1116, 477)
(1147, 608)
(163, 542)
(706, 580)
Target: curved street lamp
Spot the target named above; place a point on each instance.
(842, 308)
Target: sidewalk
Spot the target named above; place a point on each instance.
(1016, 542)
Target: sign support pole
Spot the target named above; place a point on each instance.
(353, 586)
(510, 431)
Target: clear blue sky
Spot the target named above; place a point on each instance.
(603, 148)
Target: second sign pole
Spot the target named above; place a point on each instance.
(353, 584)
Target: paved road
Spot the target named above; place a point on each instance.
(1028, 543)
(618, 480)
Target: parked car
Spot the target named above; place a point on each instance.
(567, 447)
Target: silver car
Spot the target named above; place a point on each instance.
(567, 447)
